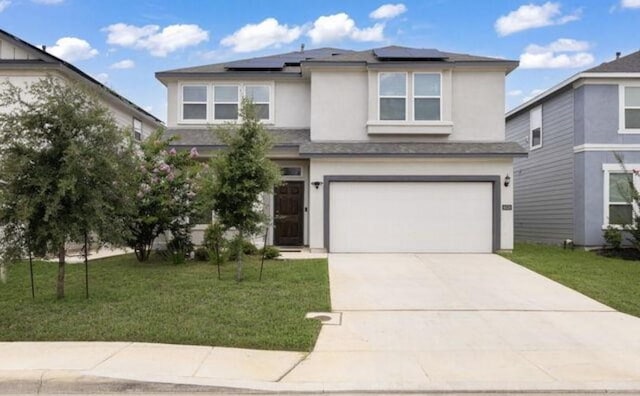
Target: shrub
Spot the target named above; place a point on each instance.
(613, 237)
(215, 243)
(180, 247)
(240, 244)
(270, 252)
(249, 248)
(201, 254)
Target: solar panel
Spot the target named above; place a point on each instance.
(278, 62)
(409, 53)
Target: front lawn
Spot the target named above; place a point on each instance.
(612, 281)
(166, 303)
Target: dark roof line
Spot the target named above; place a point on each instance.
(55, 59)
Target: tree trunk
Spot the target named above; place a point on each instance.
(239, 258)
(61, 268)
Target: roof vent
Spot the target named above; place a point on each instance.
(302, 47)
(618, 55)
(44, 48)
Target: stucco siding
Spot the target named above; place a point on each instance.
(478, 104)
(339, 106)
(543, 182)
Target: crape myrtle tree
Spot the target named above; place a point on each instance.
(63, 165)
(242, 174)
(166, 182)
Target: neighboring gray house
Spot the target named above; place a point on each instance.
(391, 149)
(569, 187)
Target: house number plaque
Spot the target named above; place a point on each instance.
(507, 207)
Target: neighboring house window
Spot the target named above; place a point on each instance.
(535, 128)
(392, 90)
(137, 129)
(618, 206)
(226, 102)
(261, 97)
(194, 102)
(426, 96)
(631, 108)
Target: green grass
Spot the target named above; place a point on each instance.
(166, 303)
(612, 281)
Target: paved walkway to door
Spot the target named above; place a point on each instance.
(466, 322)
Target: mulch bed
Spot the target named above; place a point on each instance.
(624, 253)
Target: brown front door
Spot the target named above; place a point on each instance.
(289, 214)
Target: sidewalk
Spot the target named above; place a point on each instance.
(72, 367)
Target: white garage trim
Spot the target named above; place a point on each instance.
(493, 179)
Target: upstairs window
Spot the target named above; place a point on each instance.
(426, 96)
(535, 128)
(137, 129)
(392, 89)
(261, 97)
(226, 102)
(194, 102)
(631, 110)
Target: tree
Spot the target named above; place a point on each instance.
(165, 194)
(63, 161)
(242, 173)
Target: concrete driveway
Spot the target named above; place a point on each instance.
(466, 322)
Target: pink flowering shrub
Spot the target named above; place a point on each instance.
(165, 197)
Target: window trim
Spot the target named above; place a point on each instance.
(238, 102)
(133, 124)
(181, 103)
(287, 177)
(531, 129)
(622, 129)
(405, 97)
(414, 96)
(211, 103)
(607, 170)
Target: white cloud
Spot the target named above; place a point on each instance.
(515, 92)
(339, 26)
(4, 4)
(562, 53)
(124, 64)
(388, 11)
(630, 4)
(72, 49)
(530, 16)
(560, 45)
(148, 109)
(102, 77)
(158, 42)
(48, 2)
(254, 37)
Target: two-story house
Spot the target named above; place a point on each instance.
(386, 150)
(22, 63)
(572, 186)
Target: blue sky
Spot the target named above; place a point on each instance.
(124, 42)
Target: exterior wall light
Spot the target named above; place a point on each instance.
(316, 184)
(507, 181)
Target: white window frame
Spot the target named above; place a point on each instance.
(214, 103)
(271, 96)
(139, 132)
(405, 97)
(414, 96)
(608, 169)
(533, 126)
(621, 94)
(182, 103)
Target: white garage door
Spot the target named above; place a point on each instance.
(392, 217)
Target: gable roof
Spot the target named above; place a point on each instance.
(620, 67)
(625, 64)
(292, 62)
(45, 59)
